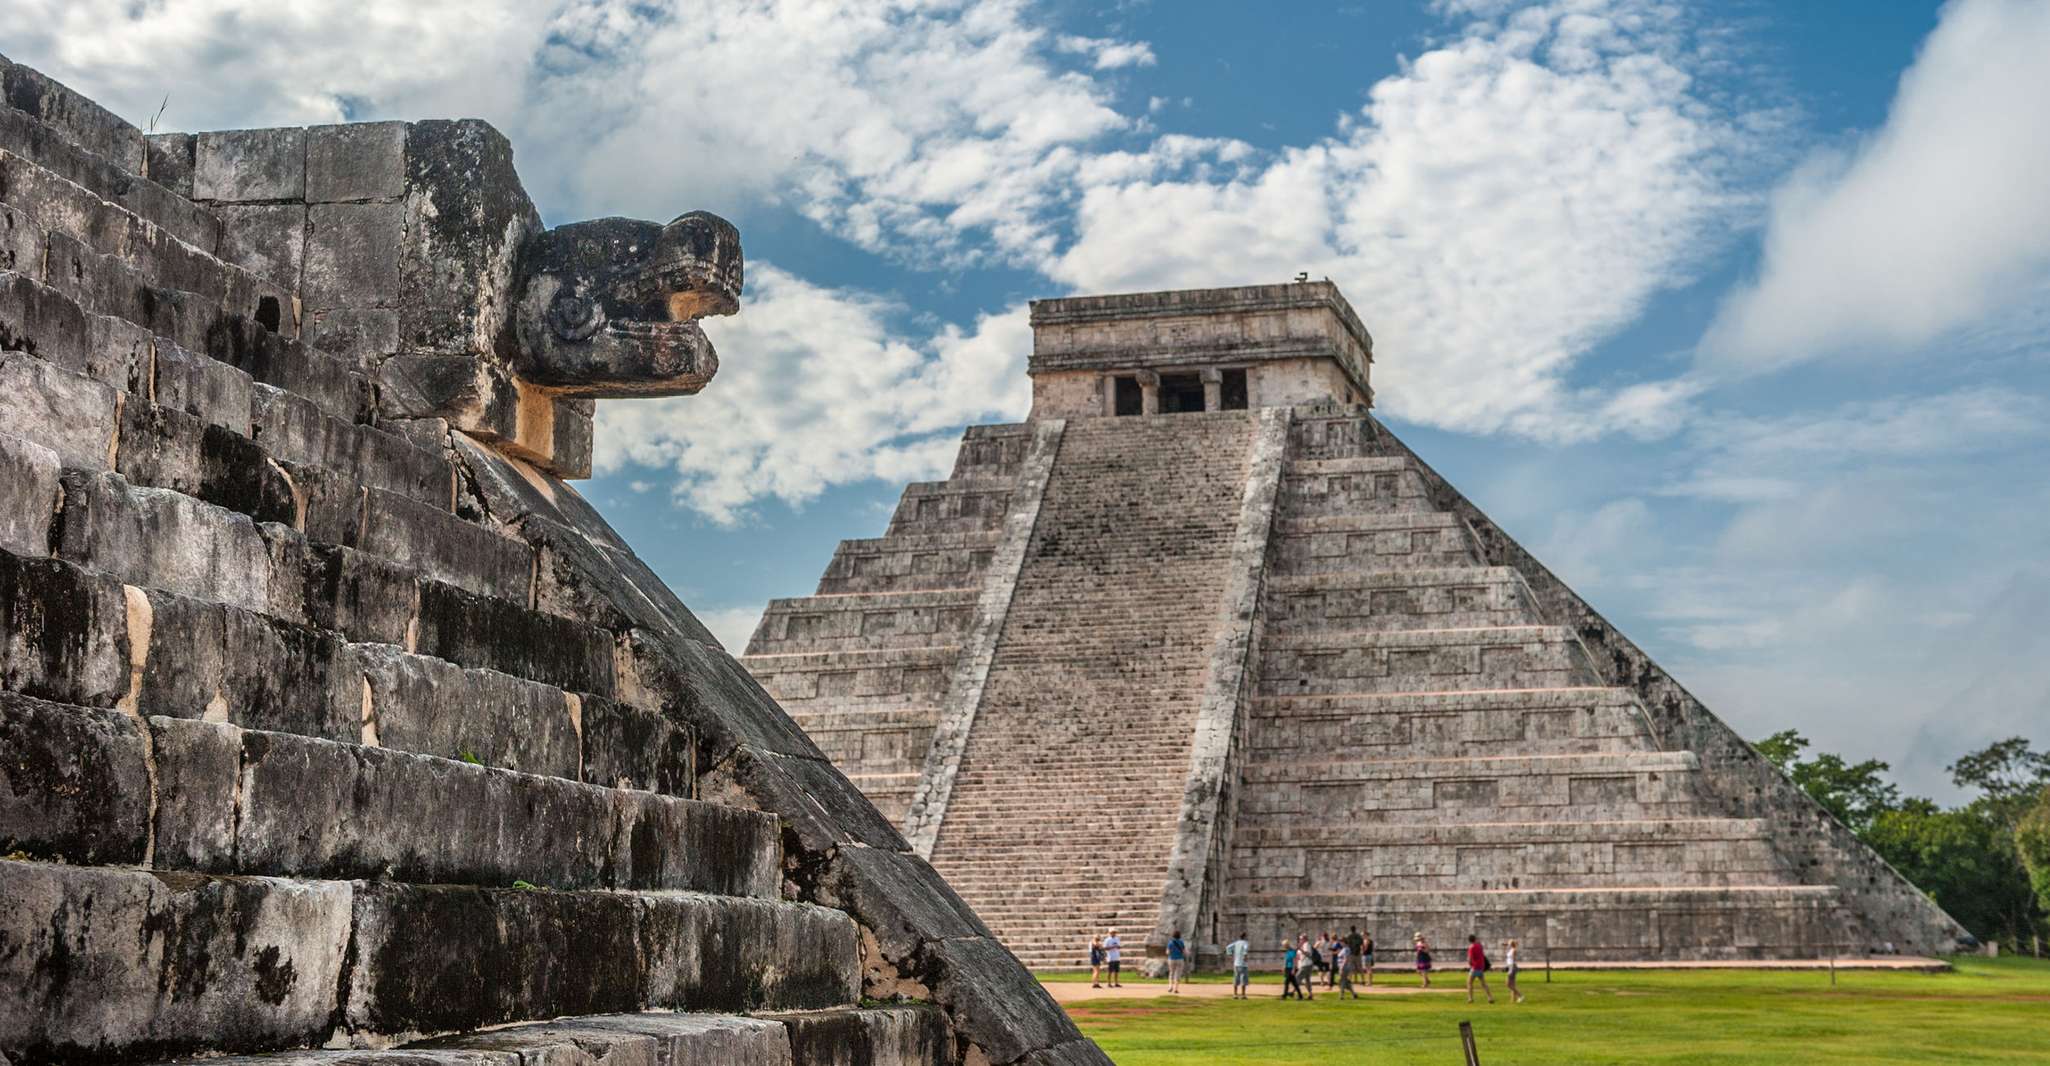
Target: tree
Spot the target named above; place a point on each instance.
(1855, 792)
(2007, 773)
(2032, 839)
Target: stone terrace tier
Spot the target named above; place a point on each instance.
(329, 726)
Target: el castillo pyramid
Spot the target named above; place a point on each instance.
(1201, 645)
(335, 727)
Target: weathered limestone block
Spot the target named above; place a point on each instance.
(64, 632)
(226, 664)
(355, 161)
(362, 337)
(74, 786)
(892, 1036)
(899, 899)
(269, 240)
(603, 585)
(244, 166)
(995, 1004)
(61, 155)
(21, 242)
(70, 414)
(364, 598)
(633, 747)
(423, 704)
(504, 635)
(107, 962)
(205, 388)
(705, 689)
(37, 319)
(28, 495)
(726, 953)
(164, 539)
(442, 547)
(197, 775)
(294, 430)
(161, 448)
(350, 251)
(78, 119)
(168, 160)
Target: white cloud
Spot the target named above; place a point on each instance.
(816, 387)
(1506, 201)
(731, 625)
(1930, 225)
(1109, 54)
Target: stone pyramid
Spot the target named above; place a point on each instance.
(331, 717)
(1203, 646)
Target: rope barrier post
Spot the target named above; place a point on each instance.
(1473, 1054)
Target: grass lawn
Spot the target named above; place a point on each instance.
(1987, 1011)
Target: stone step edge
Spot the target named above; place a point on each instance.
(901, 1035)
(1558, 694)
(1395, 577)
(1331, 769)
(1450, 898)
(213, 798)
(376, 960)
(1367, 638)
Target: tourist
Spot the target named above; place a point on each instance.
(1288, 981)
(1476, 967)
(1333, 944)
(1509, 969)
(1113, 950)
(1095, 961)
(1304, 960)
(1320, 956)
(1341, 964)
(1423, 958)
(1367, 959)
(1240, 979)
(1354, 945)
(1177, 960)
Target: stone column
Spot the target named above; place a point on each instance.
(1149, 392)
(1213, 388)
(1108, 385)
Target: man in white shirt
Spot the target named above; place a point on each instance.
(1111, 952)
(1236, 952)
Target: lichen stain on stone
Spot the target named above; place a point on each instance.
(274, 976)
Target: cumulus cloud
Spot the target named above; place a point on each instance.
(823, 388)
(1109, 54)
(1926, 227)
(1499, 206)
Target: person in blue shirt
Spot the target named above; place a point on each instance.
(1177, 962)
(1288, 978)
(1236, 952)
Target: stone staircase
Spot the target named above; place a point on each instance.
(863, 664)
(325, 729)
(1425, 753)
(1064, 812)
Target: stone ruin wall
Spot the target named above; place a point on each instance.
(322, 693)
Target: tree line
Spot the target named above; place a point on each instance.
(1986, 861)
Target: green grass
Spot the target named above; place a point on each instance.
(1987, 1011)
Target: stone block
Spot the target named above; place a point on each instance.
(509, 490)
(40, 321)
(187, 220)
(818, 805)
(308, 376)
(21, 242)
(198, 788)
(119, 353)
(994, 1002)
(897, 897)
(296, 431)
(626, 1040)
(74, 784)
(64, 633)
(355, 161)
(603, 585)
(729, 954)
(427, 705)
(204, 387)
(362, 597)
(68, 413)
(352, 255)
(886, 1036)
(633, 747)
(164, 539)
(706, 690)
(113, 964)
(168, 159)
(471, 393)
(442, 547)
(502, 635)
(466, 216)
(72, 116)
(28, 495)
(227, 664)
(361, 336)
(671, 843)
(243, 166)
(268, 240)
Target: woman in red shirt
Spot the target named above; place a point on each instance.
(1476, 968)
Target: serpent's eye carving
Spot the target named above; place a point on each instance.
(575, 318)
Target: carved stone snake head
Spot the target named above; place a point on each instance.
(609, 308)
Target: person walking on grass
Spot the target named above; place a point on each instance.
(1177, 962)
(1288, 981)
(1476, 967)
(1305, 977)
(1341, 964)
(1366, 963)
(1354, 942)
(1113, 950)
(1240, 979)
(1320, 956)
(1509, 970)
(1095, 961)
(1422, 948)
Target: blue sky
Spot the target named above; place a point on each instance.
(1738, 314)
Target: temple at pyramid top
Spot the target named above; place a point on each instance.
(1193, 350)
